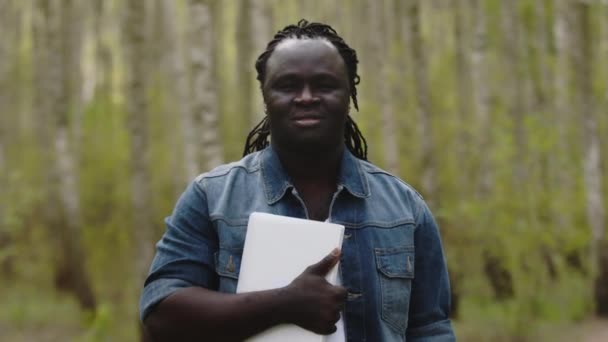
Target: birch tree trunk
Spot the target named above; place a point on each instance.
(72, 34)
(63, 200)
(102, 67)
(261, 33)
(245, 72)
(584, 61)
(389, 124)
(463, 87)
(481, 101)
(425, 112)
(204, 94)
(7, 25)
(253, 33)
(563, 39)
(514, 90)
(178, 63)
(379, 55)
(139, 137)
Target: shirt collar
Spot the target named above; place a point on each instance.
(277, 181)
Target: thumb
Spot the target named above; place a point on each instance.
(326, 264)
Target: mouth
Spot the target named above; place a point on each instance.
(306, 119)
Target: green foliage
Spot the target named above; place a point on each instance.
(535, 226)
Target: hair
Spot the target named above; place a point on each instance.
(257, 139)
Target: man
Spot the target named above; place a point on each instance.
(393, 273)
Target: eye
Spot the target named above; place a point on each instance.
(326, 86)
(286, 85)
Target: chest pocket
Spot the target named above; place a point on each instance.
(396, 271)
(227, 266)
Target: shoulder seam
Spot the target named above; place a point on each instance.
(225, 169)
(386, 173)
(216, 174)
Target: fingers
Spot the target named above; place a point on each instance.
(326, 264)
(331, 327)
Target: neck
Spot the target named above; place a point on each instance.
(311, 166)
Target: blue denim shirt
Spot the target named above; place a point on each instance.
(392, 261)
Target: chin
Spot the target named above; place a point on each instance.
(310, 146)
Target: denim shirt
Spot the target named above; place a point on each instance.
(392, 261)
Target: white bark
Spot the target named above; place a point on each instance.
(58, 86)
(584, 63)
(180, 90)
(419, 59)
(584, 60)
(379, 10)
(57, 75)
(139, 139)
(204, 94)
(245, 71)
(253, 33)
(98, 70)
(90, 31)
(72, 32)
(561, 29)
(261, 33)
(562, 107)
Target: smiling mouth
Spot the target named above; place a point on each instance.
(306, 120)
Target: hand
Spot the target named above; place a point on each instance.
(314, 303)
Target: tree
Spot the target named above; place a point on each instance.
(515, 91)
(179, 74)
(204, 96)
(479, 80)
(380, 13)
(7, 24)
(61, 61)
(245, 74)
(138, 113)
(253, 31)
(596, 217)
(423, 97)
(464, 84)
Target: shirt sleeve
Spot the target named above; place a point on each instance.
(430, 297)
(185, 253)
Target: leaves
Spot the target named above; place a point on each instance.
(497, 84)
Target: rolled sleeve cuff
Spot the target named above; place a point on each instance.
(436, 332)
(156, 291)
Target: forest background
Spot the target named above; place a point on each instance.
(494, 110)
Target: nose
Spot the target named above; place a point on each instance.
(306, 96)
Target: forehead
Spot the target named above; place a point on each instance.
(305, 55)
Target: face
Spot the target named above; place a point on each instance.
(307, 95)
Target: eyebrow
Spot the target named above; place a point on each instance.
(316, 76)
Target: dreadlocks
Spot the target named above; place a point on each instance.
(257, 139)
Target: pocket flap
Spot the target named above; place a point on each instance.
(228, 263)
(396, 262)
